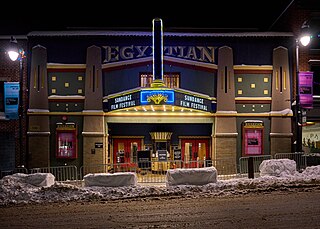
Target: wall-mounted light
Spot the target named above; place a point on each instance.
(305, 34)
(13, 50)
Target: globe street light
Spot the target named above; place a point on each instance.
(304, 39)
(18, 54)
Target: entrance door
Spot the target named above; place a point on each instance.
(194, 150)
(125, 150)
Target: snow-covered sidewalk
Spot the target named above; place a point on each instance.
(15, 190)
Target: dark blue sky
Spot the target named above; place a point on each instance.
(62, 15)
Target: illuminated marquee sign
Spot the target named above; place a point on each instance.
(193, 102)
(123, 101)
(157, 97)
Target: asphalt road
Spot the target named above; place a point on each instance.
(294, 208)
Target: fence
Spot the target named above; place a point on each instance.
(10, 172)
(299, 158)
(155, 171)
(257, 160)
(61, 173)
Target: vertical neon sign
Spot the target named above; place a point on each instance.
(157, 41)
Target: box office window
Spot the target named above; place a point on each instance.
(66, 141)
(252, 138)
(171, 80)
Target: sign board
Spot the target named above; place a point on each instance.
(306, 89)
(162, 155)
(11, 98)
(98, 145)
(193, 102)
(144, 159)
(124, 101)
(157, 97)
(177, 154)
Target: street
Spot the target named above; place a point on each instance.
(294, 208)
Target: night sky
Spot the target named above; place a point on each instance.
(59, 15)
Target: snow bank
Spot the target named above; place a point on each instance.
(312, 171)
(110, 179)
(35, 179)
(278, 167)
(196, 176)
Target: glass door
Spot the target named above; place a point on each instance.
(125, 150)
(194, 152)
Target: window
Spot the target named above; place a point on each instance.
(171, 80)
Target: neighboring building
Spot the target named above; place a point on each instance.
(92, 99)
(12, 129)
(302, 12)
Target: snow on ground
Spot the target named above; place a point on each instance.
(15, 190)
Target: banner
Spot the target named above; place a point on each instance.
(11, 98)
(306, 89)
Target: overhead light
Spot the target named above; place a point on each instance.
(305, 36)
(13, 51)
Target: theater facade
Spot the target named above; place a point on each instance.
(93, 99)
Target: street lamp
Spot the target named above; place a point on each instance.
(304, 39)
(16, 53)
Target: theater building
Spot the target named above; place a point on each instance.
(93, 98)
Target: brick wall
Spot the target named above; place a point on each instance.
(10, 72)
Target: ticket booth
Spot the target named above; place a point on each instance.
(160, 157)
(252, 137)
(66, 140)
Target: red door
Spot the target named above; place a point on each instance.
(125, 150)
(194, 151)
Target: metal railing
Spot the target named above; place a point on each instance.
(61, 173)
(13, 171)
(299, 158)
(155, 171)
(257, 160)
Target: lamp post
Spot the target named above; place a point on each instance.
(304, 39)
(18, 54)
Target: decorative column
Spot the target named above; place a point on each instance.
(38, 112)
(281, 113)
(94, 135)
(225, 135)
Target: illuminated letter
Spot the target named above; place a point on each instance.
(141, 50)
(206, 55)
(111, 53)
(126, 52)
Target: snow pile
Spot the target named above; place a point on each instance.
(111, 179)
(15, 190)
(278, 167)
(35, 179)
(312, 170)
(197, 176)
